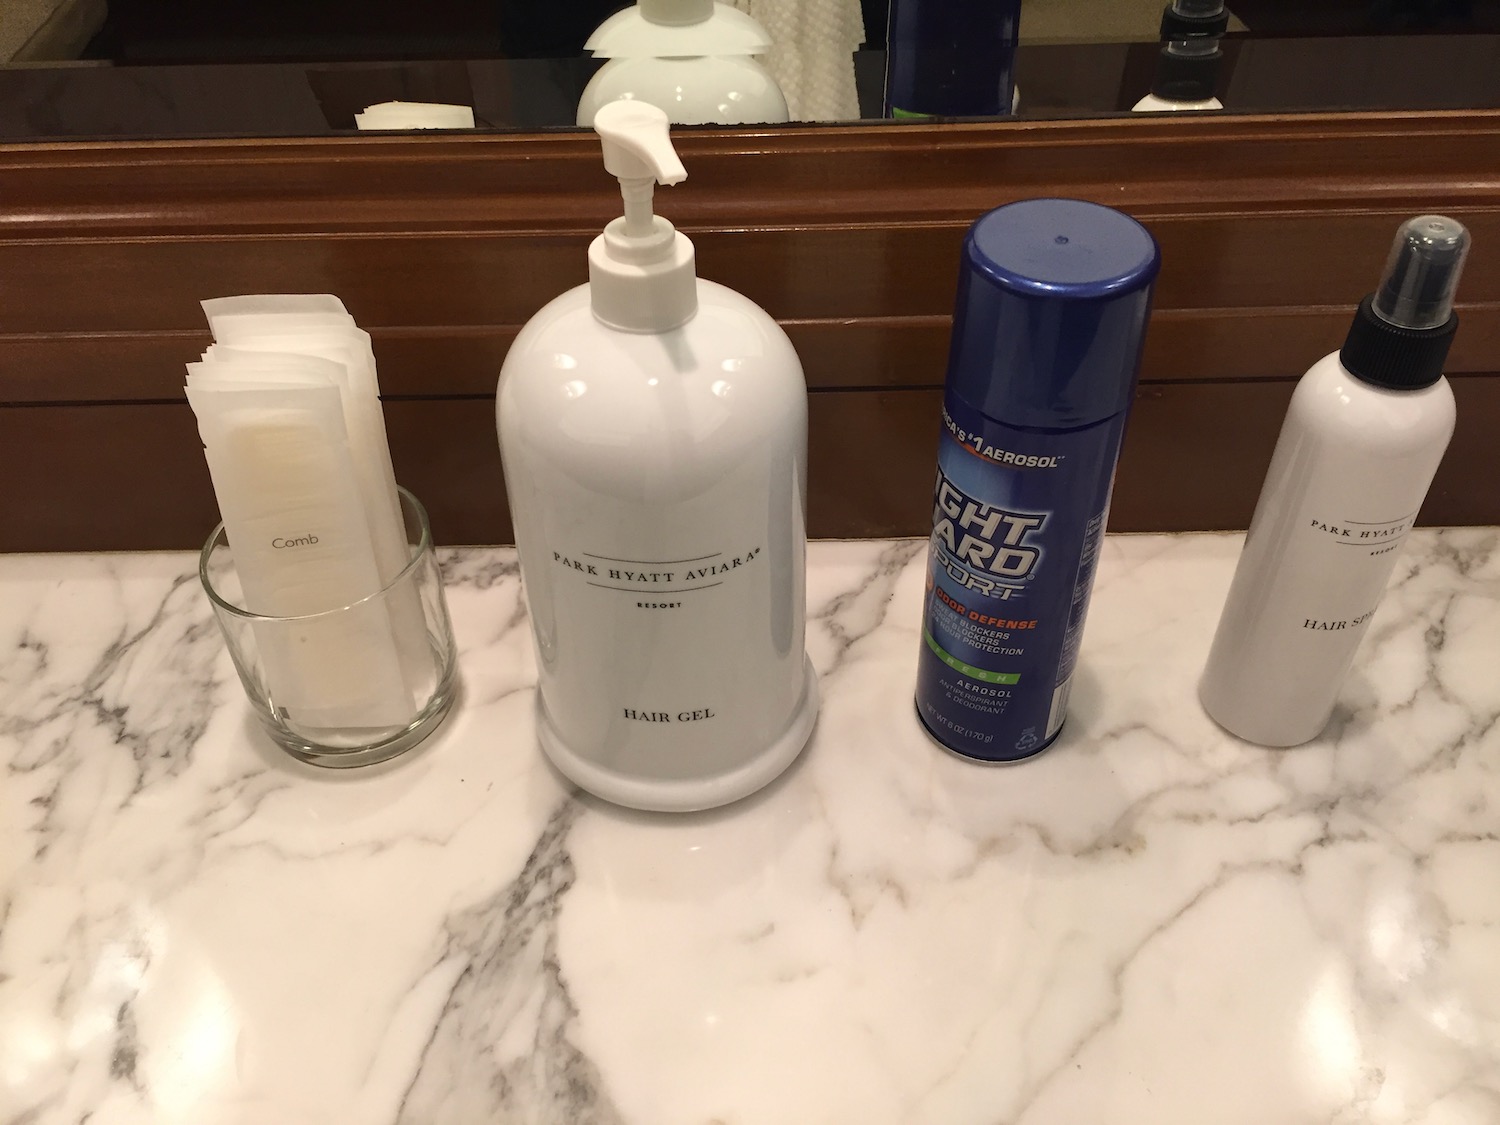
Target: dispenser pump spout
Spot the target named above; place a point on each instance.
(641, 270)
(638, 152)
(676, 13)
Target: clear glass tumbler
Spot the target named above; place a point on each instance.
(350, 686)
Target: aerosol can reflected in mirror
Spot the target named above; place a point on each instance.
(951, 58)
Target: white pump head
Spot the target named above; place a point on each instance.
(676, 12)
(642, 276)
(655, 29)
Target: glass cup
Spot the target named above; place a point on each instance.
(349, 686)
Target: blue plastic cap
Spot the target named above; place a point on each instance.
(1052, 305)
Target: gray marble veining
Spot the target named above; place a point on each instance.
(1151, 923)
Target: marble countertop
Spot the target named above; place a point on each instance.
(1151, 923)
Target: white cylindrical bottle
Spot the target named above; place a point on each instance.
(1363, 437)
(653, 428)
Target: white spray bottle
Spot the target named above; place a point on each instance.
(653, 428)
(1362, 439)
(1187, 70)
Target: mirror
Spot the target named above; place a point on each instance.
(89, 69)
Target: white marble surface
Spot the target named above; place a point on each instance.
(1152, 923)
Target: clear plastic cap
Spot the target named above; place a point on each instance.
(1421, 274)
(1198, 8)
(1191, 28)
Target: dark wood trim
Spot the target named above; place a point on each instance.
(1271, 228)
(844, 176)
(130, 476)
(891, 353)
(1253, 260)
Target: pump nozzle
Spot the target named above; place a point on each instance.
(637, 142)
(638, 152)
(676, 12)
(1421, 273)
(641, 269)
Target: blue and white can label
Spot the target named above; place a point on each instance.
(1018, 521)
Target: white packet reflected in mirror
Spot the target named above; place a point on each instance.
(415, 115)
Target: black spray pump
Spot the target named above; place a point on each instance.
(1401, 333)
(1188, 68)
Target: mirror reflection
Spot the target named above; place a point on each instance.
(86, 68)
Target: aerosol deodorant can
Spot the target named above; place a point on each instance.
(1053, 297)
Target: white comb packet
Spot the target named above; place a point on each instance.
(290, 502)
(288, 408)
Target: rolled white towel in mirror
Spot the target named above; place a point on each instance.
(812, 56)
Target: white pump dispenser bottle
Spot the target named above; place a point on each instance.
(653, 428)
(694, 59)
(1362, 440)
